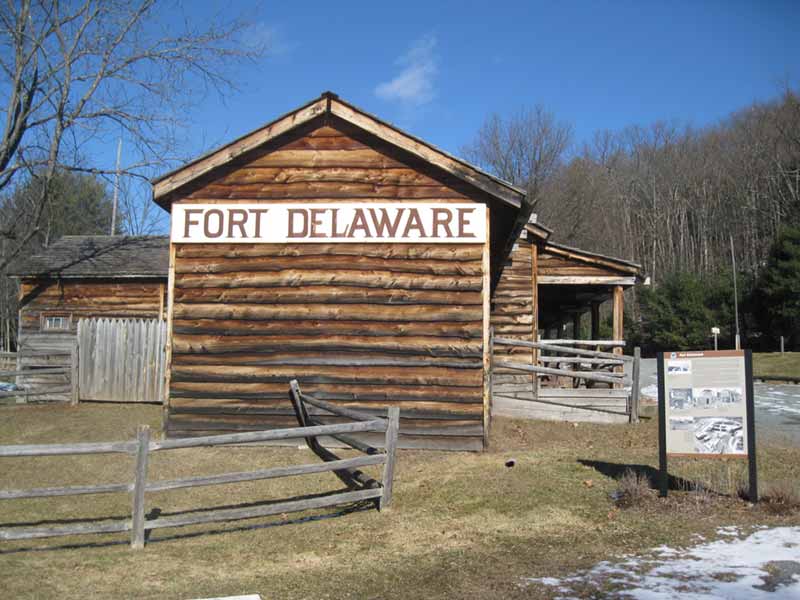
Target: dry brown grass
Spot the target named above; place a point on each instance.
(782, 497)
(634, 490)
(462, 525)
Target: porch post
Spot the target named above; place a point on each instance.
(576, 326)
(595, 320)
(617, 327)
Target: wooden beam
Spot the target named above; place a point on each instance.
(487, 346)
(586, 280)
(595, 334)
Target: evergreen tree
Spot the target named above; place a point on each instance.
(777, 297)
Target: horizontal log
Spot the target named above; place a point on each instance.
(410, 411)
(185, 344)
(328, 262)
(264, 436)
(299, 192)
(278, 508)
(66, 449)
(300, 278)
(407, 252)
(349, 312)
(273, 473)
(66, 491)
(223, 327)
(580, 360)
(417, 376)
(564, 349)
(364, 176)
(586, 375)
(326, 295)
(612, 343)
(344, 359)
(366, 157)
(346, 392)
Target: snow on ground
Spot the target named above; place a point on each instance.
(764, 565)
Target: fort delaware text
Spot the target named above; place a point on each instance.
(270, 223)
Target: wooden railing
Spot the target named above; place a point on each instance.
(360, 486)
(25, 375)
(566, 352)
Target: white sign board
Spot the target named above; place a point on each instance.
(343, 222)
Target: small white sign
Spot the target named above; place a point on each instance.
(274, 223)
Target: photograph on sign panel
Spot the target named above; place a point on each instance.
(681, 399)
(681, 423)
(719, 435)
(715, 397)
(679, 367)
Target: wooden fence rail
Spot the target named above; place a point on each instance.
(596, 359)
(361, 486)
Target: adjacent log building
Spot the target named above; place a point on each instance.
(83, 277)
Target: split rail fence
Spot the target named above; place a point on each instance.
(360, 486)
(587, 366)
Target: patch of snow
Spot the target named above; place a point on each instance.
(651, 391)
(727, 568)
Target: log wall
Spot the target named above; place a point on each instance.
(78, 298)
(513, 317)
(363, 325)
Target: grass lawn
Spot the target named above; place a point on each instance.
(461, 526)
(775, 363)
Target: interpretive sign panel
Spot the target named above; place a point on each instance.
(706, 412)
(341, 222)
(706, 406)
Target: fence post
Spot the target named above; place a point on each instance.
(73, 375)
(635, 387)
(391, 450)
(139, 483)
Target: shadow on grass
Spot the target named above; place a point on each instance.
(617, 470)
(219, 529)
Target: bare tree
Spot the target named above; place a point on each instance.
(525, 149)
(82, 72)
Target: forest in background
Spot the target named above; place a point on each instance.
(671, 197)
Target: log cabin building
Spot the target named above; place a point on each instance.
(331, 247)
(80, 277)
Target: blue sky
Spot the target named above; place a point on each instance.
(438, 69)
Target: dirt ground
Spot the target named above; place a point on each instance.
(462, 524)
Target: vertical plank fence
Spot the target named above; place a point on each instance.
(121, 360)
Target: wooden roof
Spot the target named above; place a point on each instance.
(330, 104)
(560, 264)
(98, 256)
